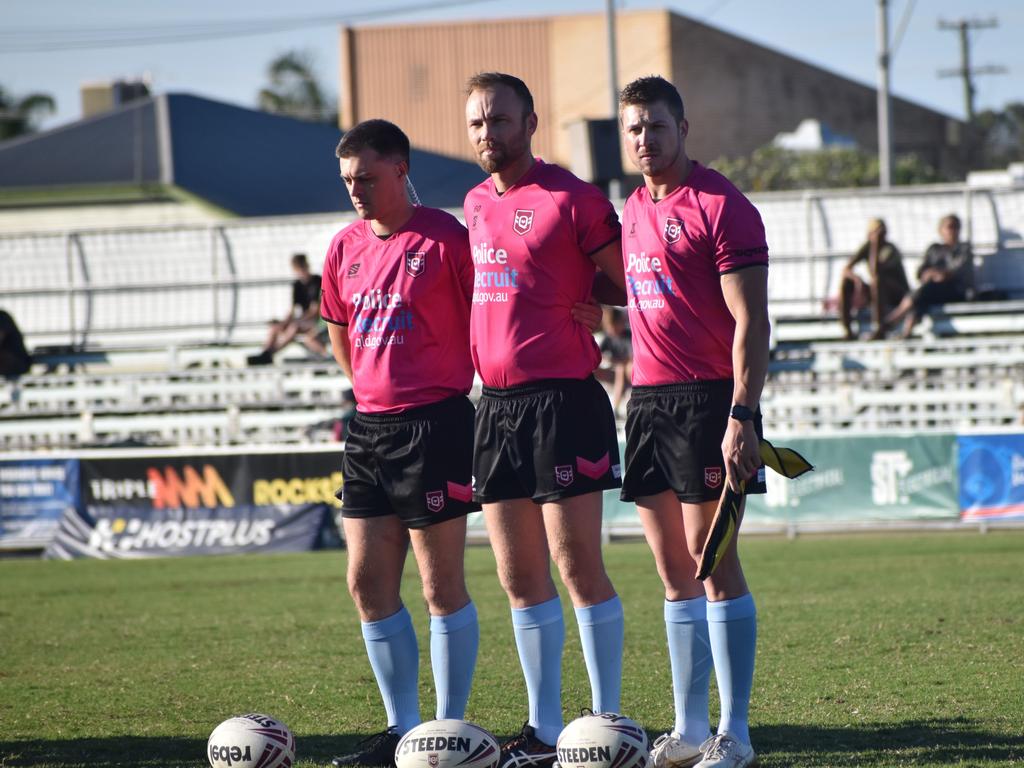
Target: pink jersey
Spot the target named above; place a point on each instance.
(675, 252)
(531, 251)
(405, 302)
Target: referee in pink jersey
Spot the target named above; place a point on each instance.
(546, 445)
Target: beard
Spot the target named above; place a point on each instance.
(506, 154)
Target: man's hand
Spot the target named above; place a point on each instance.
(588, 313)
(741, 451)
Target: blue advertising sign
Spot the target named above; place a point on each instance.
(991, 471)
(34, 495)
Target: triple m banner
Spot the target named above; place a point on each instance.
(191, 505)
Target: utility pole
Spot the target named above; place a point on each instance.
(884, 101)
(614, 185)
(967, 72)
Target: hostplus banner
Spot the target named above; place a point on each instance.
(188, 505)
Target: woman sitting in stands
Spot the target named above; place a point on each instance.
(887, 285)
(945, 275)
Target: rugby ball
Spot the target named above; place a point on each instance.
(603, 740)
(251, 740)
(446, 744)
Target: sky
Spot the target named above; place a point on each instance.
(43, 42)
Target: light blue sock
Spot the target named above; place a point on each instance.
(395, 658)
(732, 628)
(601, 628)
(689, 650)
(540, 635)
(454, 640)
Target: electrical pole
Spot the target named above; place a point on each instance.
(884, 101)
(614, 185)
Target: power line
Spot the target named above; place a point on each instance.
(43, 40)
(965, 71)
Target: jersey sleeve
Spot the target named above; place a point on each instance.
(595, 220)
(738, 235)
(332, 305)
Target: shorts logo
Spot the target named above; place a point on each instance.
(593, 469)
(564, 475)
(712, 476)
(617, 471)
(673, 230)
(523, 221)
(353, 270)
(435, 501)
(415, 262)
(460, 492)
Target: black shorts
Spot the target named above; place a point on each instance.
(546, 440)
(674, 436)
(416, 464)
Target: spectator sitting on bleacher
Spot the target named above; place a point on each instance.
(946, 274)
(887, 284)
(14, 358)
(303, 316)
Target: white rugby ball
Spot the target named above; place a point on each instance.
(447, 744)
(603, 740)
(251, 740)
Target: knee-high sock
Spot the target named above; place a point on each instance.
(540, 635)
(601, 629)
(689, 650)
(454, 640)
(732, 628)
(395, 657)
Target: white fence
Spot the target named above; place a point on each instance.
(221, 283)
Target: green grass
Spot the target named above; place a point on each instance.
(898, 650)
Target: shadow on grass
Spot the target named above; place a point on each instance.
(148, 751)
(940, 741)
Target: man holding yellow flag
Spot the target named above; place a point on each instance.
(696, 263)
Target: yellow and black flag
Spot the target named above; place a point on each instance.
(786, 462)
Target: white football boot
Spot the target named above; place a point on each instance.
(670, 751)
(723, 751)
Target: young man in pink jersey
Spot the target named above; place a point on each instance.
(696, 275)
(397, 286)
(546, 445)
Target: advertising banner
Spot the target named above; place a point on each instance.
(190, 505)
(991, 471)
(34, 495)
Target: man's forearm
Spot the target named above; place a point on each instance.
(750, 360)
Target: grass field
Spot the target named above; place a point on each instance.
(892, 650)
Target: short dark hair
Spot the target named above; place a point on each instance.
(383, 137)
(950, 218)
(484, 80)
(300, 260)
(647, 90)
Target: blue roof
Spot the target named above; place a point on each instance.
(248, 162)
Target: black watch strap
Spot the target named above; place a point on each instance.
(741, 413)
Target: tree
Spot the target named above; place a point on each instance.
(1001, 135)
(20, 114)
(294, 89)
(771, 168)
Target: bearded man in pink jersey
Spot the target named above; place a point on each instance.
(696, 264)
(546, 445)
(397, 286)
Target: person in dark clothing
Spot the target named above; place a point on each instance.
(886, 286)
(946, 274)
(14, 358)
(303, 318)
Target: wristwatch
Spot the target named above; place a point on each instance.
(741, 413)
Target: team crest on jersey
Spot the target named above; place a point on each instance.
(523, 221)
(415, 262)
(435, 501)
(712, 476)
(673, 230)
(564, 475)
